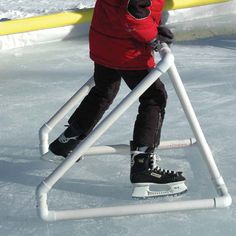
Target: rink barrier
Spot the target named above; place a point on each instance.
(223, 198)
(80, 16)
(61, 19)
(64, 25)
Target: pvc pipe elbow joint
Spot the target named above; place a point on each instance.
(43, 138)
(224, 201)
(167, 58)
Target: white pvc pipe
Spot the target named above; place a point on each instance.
(47, 127)
(81, 93)
(195, 126)
(43, 138)
(41, 198)
(223, 201)
(128, 210)
(125, 148)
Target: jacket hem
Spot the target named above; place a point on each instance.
(120, 67)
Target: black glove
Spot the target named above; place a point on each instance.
(164, 36)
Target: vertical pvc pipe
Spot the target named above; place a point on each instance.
(43, 139)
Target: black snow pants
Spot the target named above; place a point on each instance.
(147, 127)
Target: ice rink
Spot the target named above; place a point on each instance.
(36, 81)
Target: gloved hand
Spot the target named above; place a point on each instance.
(164, 36)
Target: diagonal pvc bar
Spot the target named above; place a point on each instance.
(196, 128)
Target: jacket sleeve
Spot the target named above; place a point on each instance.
(138, 20)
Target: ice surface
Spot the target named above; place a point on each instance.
(35, 82)
(15, 9)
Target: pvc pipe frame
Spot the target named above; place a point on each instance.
(166, 64)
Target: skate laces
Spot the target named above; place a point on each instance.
(170, 173)
(154, 166)
(154, 158)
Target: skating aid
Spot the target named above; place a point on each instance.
(223, 198)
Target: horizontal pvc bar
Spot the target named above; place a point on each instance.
(128, 210)
(125, 148)
(219, 202)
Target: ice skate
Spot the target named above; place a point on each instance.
(142, 190)
(60, 148)
(149, 180)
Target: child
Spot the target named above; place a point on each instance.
(123, 35)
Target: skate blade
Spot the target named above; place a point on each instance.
(142, 190)
(51, 157)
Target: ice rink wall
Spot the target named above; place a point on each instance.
(186, 22)
(203, 21)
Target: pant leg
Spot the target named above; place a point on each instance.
(98, 100)
(151, 111)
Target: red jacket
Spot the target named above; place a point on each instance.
(121, 30)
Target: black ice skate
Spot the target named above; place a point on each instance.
(60, 148)
(145, 174)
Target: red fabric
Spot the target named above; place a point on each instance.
(119, 40)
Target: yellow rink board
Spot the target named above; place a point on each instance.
(79, 17)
